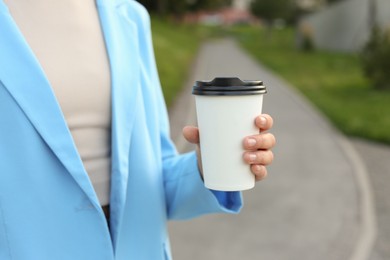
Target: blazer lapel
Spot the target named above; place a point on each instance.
(23, 77)
(122, 45)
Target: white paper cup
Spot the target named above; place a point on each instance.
(226, 110)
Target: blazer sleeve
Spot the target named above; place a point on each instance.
(185, 193)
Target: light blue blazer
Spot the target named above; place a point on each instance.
(48, 208)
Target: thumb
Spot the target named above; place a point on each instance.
(191, 134)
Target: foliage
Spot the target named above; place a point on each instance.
(175, 46)
(307, 43)
(376, 59)
(332, 81)
(270, 10)
(195, 5)
(178, 7)
(306, 37)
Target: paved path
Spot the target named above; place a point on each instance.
(316, 203)
(377, 158)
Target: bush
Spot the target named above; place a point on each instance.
(306, 37)
(272, 9)
(376, 59)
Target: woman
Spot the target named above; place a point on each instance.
(82, 127)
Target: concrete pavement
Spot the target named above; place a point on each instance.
(376, 157)
(317, 201)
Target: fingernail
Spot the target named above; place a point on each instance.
(263, 121)
(251, 142)
(252, 157)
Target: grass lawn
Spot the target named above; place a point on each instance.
(175, 46)
(332, 81)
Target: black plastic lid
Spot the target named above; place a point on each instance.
(229, 87)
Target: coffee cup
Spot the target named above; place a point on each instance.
(226, 109)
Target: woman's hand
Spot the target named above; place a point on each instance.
(257, 147)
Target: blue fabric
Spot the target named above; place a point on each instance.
(48, 208)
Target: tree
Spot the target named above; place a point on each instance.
(270, 10)
(207, 4)
(376, 59)
(178, 7)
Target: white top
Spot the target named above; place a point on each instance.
(67, 40)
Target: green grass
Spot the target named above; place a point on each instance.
(175, 46)
(334, 82)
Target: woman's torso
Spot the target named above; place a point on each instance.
(67, 40)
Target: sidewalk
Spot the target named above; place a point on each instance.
(316, 203)
(376, 157)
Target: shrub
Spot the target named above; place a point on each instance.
(376, 59)
(306, 37)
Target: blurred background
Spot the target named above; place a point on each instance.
(326, 64)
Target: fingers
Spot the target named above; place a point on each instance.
(259, 157)
(260, 172)
(191, 134)
(258, 160)
(257, 154)
(260, 141)
(264, 122)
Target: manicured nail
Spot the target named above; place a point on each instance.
(263, 121)
(252, 157)
(251, 142)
